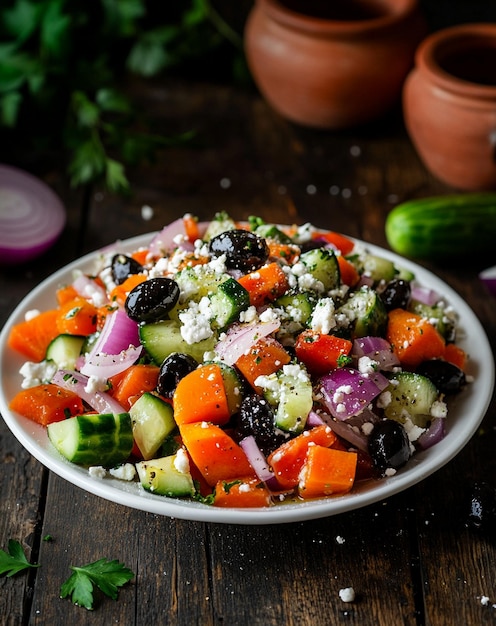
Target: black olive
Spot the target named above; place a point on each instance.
(481, 514)
(256, 418)
(175, 367)
(152, 299)
(447, 377)
(388, 445)
(396, 294)
(312, 244)
(123, 266)
(244, 250)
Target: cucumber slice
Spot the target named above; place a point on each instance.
(227, 303)
(366, 313)
(323, 265)
(298, 305)
(93, 439)
(270, 231)
(64, 350)
(153, 421)
(167, 476)
(160, 339)
(218, 225)
(290, 392)
(378, 268)
(437, 316)
(234, 387)
(412, 396)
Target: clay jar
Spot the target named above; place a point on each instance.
(332, 64)
(449, 104)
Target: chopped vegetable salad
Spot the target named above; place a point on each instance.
(241, 364)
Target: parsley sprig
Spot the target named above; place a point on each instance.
(14, 561)
(108, 576)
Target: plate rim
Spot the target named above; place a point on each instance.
(132, 496)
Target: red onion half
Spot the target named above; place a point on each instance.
(259, 463)
(32, 216)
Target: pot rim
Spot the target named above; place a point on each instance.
(399, 10)
(445, 40)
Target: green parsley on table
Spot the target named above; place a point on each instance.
(108, 576)
(15, 560)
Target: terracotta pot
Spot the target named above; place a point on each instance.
(332, 64)
(449, 104)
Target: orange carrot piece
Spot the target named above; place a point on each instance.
(32, 337)
(265, 284)
(102, 312)
(77, 317)
(191, 227)
(128, 386)
(65, 294)
(120, 292)
(327, 471)
(282, 251)
(201, 397)
(344, 244)
(46, 403)
(455, 355)
(265, 357)
(242, 493)
(349, 273)
(320, 352)
(287, 460)
(413, 338)
(141, 256)
(214, 452)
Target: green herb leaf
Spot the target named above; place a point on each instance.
(107, 575)
(15, 560)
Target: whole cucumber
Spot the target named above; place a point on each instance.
(444, 227)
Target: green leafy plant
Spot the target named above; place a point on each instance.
(62, 63)
(108, 576)
(14, 561)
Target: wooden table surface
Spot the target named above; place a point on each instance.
(410, 559)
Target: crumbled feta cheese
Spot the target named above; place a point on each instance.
(412, 430)
(195, 326)
(181, 461)
(340, 540)
(347, 594)
(97, 471)
(439, 409)
(37, 373)
(95, 384)
(367, 428)
(249, 315)
(366, 365)
(384, 400)
(323, 319)
(390, 471)
(126, 471)
(270, 315)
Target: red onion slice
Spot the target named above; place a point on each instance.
(170, 238)
(434, 434)
(240, 338)
(378, 349)
(32, 216)
(259, 463)
(88, 288)
(425, 295)
(116, 349)
(98, 400)
(347, 392)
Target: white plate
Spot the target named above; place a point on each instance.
(466, 412)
